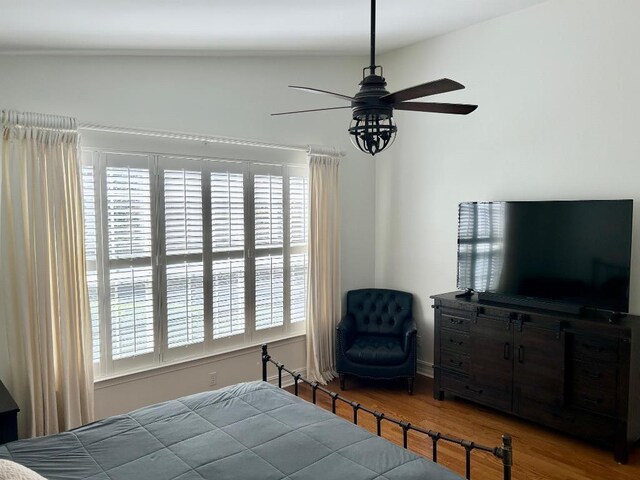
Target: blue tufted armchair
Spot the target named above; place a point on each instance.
(377, 336)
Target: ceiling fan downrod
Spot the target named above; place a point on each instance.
(372, 62)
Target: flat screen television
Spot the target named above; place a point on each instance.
(573, 253)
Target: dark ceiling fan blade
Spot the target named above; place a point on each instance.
(430, 88)
(312, 110)
(454, 108)
(324, 92)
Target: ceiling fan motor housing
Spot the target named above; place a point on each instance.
(367, 101)
(372, 128)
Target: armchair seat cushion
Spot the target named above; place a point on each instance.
(376, 350)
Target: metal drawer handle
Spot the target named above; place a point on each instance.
(593, 347)
(592, 401)
(569, 418)
(467, 387)
(455, 362)
(507, 351)
(521, 354)
(596, 375)
(456, 321)
(451, 340)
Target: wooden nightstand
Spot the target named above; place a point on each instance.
(8, 416)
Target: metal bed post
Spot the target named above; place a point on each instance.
(435, 436)
(265, 360)
(507, 456)
(280, 367)
(356, 407)
(405, 431)
(379, 416)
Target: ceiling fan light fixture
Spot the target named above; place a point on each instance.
(372, 133)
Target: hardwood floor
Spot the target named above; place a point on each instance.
(539, 453)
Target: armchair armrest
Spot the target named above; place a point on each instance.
(409, 332)
(346, 330)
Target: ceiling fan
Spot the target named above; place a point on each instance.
(373, 128)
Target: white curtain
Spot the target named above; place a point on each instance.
(323, 300)
(44, 303)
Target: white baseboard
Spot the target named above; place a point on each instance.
(425, 368)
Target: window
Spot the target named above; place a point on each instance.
(190, 256)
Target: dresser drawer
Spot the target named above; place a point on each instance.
(455, 361)
(578, 423)
(593, 387)
(491, 396)
(599, 349)
(455, 320)
(455, 340)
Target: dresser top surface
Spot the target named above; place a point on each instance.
(590, 317)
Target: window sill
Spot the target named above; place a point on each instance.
(133, 375)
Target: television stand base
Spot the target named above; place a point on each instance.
(530, 302)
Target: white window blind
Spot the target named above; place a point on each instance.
(190, 255)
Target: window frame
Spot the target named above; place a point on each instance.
(157, 163)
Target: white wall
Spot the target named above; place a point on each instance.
(220, 96)
(557, 89)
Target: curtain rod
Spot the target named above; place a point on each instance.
(204, 138)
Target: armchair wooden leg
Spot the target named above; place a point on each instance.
(341, 376)
(410, 384)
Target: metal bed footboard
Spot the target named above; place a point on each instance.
(504, 452)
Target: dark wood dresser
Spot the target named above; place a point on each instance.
(8, 416)
(576, 373)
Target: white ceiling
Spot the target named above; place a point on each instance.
(233, 26)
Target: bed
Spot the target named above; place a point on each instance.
(246, 431)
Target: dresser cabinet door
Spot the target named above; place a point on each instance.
(491, 358)
(538, 365)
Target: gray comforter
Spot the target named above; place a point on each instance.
(246, 431)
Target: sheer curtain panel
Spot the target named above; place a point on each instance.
(323, 300)
(44, 301)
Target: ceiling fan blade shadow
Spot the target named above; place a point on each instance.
(424, 90)
(453, 108)
(311, 110)
(323, 92)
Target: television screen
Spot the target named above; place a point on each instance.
(574, 252)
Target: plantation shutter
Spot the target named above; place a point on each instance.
(269, 243)
(228, 251)
(298, 234)
(184, 263)
(129, 250)
(90, 235)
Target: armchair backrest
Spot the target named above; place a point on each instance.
(380, 311)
